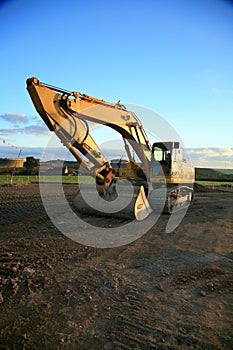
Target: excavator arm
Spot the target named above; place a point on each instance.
(67, 114)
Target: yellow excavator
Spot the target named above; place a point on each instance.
(161, 175)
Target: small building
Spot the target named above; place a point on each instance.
(8, 164)
(11, 163)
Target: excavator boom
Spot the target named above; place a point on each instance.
(68, 113)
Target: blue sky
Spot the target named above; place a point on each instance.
(174, 57)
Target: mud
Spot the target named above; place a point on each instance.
(163, 291)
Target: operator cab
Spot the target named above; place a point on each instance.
(162, 158)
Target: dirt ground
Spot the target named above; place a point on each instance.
(163, 291)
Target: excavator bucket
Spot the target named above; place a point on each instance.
(129, 203)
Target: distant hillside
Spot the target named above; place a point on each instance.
(207, 174)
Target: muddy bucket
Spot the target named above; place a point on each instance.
(128, 202)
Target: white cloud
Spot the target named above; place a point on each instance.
(31, 129)
(15, 118)
(36, 130)
(212, 152)
(214, 157)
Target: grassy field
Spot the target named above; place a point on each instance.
(214, 175)
(24, 179)
(214, 183)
